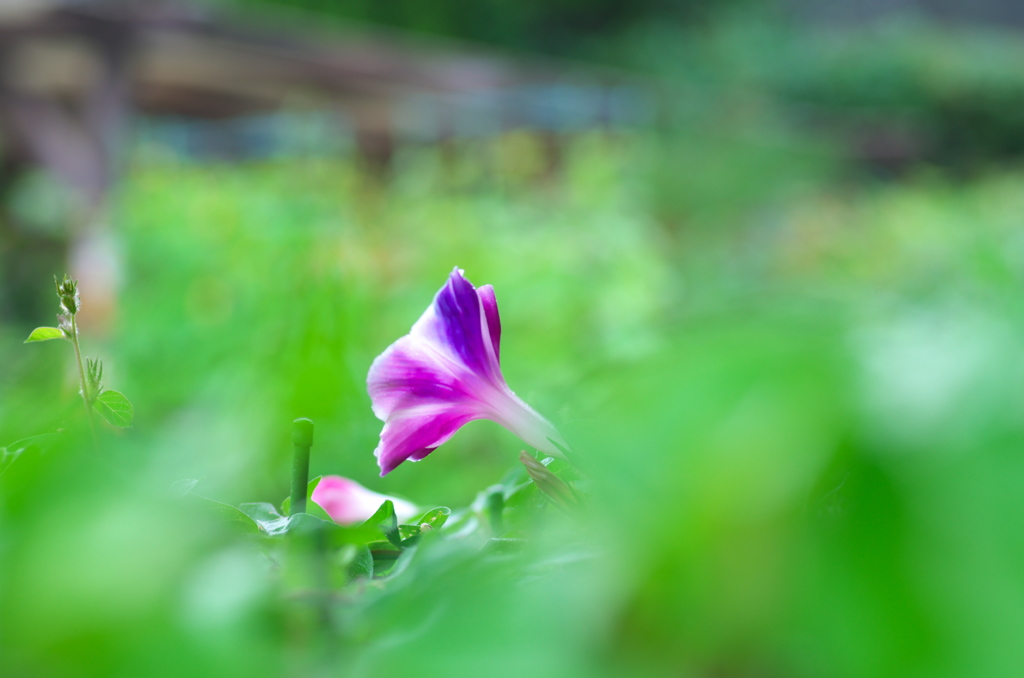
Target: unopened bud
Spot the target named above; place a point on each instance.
(67, 292)
(94, 377)
(560, 492)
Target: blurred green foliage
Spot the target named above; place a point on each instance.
(795, 392)
(554, 27)
(906, 90)
(905, 87)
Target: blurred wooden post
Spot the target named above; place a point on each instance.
(375, 138)
(23, 254)
(80, 145)
(94, 258)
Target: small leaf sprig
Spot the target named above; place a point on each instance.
(112, 405)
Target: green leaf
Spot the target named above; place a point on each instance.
(44, 334)
(384, 556)
(503, 546)
(337, 535)
(356, 562)
(273, 524)
(180, 488)
(400, 564)
(234, 517)
(524, 496)
(524, 507)
(7, 458)
(407, 531)
(494, 508)
(115, 408)
(434, 518)
(386, 521)
(463, 523)
(270, 522)
(429, 521)
(410, 534)
(40, 443)
(304, 523)
(43, 442)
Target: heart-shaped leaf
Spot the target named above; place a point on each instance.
(44, 334)
(115, 408)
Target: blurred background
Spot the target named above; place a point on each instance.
(760, 261)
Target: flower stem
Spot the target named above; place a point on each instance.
(83, 382)
(302, 440)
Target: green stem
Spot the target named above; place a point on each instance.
(84, 384)
(302, 440)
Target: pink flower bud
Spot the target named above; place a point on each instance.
(348, 502)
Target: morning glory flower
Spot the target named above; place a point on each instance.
(348, 502)
(444, 374)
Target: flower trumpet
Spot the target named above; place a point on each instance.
(444, 374)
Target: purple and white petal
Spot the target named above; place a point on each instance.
(408, 374)
(417, 431)
(445, 373)
(490, 305)
(455, 327)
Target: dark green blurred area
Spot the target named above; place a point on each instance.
(564, 27)
(790, 366)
